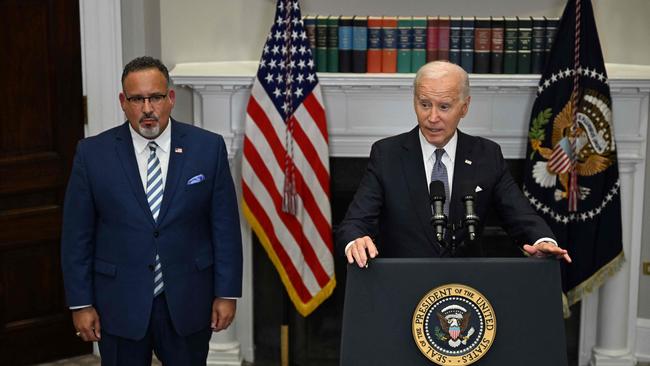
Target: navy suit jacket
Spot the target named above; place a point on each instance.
(392, 205)
(109, 237)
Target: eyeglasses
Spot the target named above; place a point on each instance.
(153, 99)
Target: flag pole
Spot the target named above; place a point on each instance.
(575, 95)
(284, 330)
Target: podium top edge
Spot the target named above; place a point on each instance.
(491, 260)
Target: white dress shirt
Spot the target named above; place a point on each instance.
(142, 152)
(448, 158)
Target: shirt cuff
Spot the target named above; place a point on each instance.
(546, 239)
(79, 307)
(345, 251)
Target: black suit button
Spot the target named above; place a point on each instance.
(155, 234)
(151, 267)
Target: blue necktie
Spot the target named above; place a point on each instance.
(439, 172)
(154, 198)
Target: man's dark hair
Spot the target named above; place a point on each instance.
(144, 63)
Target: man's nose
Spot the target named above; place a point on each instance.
(147, 106)
(433, 115)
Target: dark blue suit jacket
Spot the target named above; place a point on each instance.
(109, 237)
(392, 202)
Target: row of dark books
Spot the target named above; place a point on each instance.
(389, 44)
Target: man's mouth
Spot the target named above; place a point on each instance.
(149, 121)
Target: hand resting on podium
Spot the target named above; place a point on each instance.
(546, 249)
(362, 249)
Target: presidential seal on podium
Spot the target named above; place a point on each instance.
(454, 324)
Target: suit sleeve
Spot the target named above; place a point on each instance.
(77, 236)
(364, 210)
(226, 233)
(519, 219)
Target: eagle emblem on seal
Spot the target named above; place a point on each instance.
(454, 321)
(590, 150)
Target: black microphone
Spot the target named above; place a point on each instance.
(437, 200)
(470, 221)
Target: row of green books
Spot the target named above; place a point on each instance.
(389, 44)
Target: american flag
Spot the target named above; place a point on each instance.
(285, 171)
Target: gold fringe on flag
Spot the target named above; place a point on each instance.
(589, 285)
(303, 309)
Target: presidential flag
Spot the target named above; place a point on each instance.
(571, 174)
(285, 171)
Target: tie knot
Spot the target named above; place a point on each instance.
(152, 146)
(439, 153)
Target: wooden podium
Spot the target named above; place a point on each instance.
(506, 311)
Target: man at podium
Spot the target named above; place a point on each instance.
(391, 212)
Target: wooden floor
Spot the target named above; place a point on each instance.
(91, 360)
(88, 360)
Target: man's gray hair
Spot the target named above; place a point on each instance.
(438, 69)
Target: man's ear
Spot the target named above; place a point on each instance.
(123, 100)
(465, 106)
(172, 96)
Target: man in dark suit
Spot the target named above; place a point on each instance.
(151, 243)
(391, 213)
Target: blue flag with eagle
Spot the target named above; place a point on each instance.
(571, 176)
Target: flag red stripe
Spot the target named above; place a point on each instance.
(559, 161)
(264, 124)
(563, 161)
(291, 222)
(311, 155)
(557, 152)
(260, 215)
(317, 113)
(560, 165)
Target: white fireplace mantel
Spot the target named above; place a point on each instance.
(362, 108)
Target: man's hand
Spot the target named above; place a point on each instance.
(361, 250)
(545, 249)
(223, 313)
(86, 322)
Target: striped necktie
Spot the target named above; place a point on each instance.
(154, 198)
(439, 172)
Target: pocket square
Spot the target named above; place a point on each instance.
(196, 179)
(478, 189)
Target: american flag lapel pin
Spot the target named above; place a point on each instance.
(178, 150)
(468, 162)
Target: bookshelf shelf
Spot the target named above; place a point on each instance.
(240, 73)
(362, 108)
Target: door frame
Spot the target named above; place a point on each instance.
(101, 60)
(101, 66)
